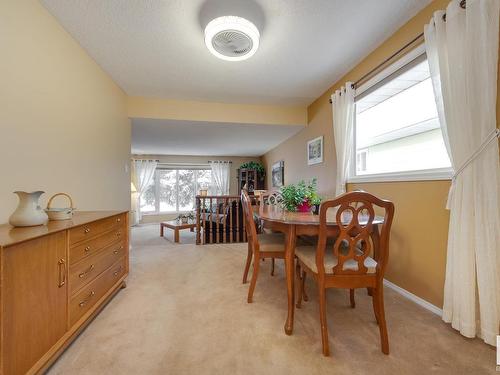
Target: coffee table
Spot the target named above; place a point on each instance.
(176, 227)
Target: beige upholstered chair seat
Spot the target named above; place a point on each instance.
(307, 254)
(273, 242)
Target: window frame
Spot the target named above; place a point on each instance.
(157, 210)
(415, 175)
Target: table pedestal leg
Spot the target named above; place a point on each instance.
(290, 277)
(176, 235)
(161, 230)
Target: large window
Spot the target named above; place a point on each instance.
(174, 190)
(397, 130)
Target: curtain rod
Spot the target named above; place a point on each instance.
(183, 164)
(220, 161)
(463, 4)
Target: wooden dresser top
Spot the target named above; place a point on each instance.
(10, 236)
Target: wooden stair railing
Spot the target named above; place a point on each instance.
(219, 219)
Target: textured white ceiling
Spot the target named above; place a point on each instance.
(156, 47)
(175, 137)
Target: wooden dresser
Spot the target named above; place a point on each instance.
(53, 280)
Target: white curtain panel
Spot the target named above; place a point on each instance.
(463, 57)
(343, 125)
(220, 177)
(142, 174)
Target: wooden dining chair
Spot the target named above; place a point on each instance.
(260, 246)
(348, 263)
(270, 198)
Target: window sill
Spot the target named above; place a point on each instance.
(426, 175)
(165, 213)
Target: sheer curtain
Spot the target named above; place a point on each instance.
(462, 50)
(220, 177)
(343, 125)
(142, 173)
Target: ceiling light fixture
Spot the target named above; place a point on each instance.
(232, 38)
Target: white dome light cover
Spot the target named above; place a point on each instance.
(232, 24)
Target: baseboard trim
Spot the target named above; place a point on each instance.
(412, 297)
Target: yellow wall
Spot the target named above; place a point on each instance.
(419, 236)
(63, 122)
(141, 107)
(417, 259)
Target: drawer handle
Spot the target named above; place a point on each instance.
(118, 220)
(85, 273)
(62, 272)
(118, 234)
(117, 271)
(87, 249)
(86, 299)
(86, 230)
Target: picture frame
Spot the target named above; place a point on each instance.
(277, 173)
(315, 151)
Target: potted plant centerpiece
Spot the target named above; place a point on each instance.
(300, 197)
(185, 218)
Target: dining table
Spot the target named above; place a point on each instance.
(294, 224)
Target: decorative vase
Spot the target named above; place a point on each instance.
(28, 212)
(305, 206)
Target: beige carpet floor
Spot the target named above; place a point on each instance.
(185, 312)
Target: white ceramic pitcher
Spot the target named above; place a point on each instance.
(28, 212)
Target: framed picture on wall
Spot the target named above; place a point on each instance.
(315, 151)
(277, 172)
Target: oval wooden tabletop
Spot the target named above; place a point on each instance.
(277, 214)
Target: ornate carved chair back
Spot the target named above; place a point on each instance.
(272, 198)
(355, 213)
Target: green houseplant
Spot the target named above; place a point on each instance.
(300, 197)
(254, 165)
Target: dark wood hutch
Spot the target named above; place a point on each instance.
(250, 179)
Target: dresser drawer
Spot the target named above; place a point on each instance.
(92, 292)
(95, 228)
(85, 271)
(91, 247)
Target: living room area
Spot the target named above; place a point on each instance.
(178, 167)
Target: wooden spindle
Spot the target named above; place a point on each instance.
(218, 219)
(223, 221)
(231, 220)
(211, 234)
(198, 219)
(204, 220)
(238, 221)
